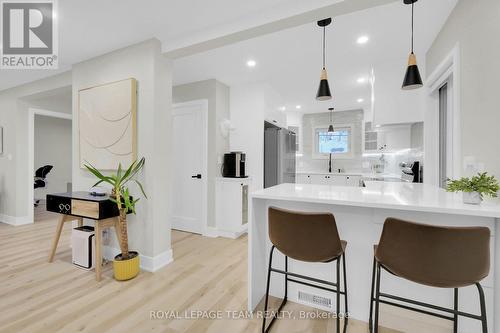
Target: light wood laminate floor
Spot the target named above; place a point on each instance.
(207, 274)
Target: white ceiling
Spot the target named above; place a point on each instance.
(290, 60)
(89, 28)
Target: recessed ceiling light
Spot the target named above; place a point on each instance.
(362, 80)
(251, 63)
(362, 39)
(360, 100)
(298, 107)
(282, 108)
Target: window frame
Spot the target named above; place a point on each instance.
(321, 156)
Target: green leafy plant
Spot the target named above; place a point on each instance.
(482, 183)
(121, 195)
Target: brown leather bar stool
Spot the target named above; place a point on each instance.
(443, 257)
(309, 237)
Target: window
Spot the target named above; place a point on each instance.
(337, 143)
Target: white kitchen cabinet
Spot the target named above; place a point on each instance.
(231, 206)
(353, 181)
(276, 117)
(317, 179)
(328, 179)
(394, 137)
(303, 179)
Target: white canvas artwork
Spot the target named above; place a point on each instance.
(107, 125)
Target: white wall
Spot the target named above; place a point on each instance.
(475, 25)
(14, 180)
(392, 105)
(248, 109)
(53, 147)
(217, 95)
(149, 230)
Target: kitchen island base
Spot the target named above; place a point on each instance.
(361, 228)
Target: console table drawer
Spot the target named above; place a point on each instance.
(84, 208)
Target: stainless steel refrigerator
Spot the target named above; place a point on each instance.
(279, 156)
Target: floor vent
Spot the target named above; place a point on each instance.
(324, 302)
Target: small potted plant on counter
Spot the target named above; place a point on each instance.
(126, 264)
(475, 188)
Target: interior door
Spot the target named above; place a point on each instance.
(189, 166)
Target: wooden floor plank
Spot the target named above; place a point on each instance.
(208, 274)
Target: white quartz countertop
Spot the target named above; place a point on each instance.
(386, 195)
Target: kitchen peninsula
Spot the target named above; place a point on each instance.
(360, 213)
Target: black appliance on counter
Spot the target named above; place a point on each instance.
(234, 165)
(412, 172)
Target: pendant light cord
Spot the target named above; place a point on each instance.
(324, 45)
(412, 27)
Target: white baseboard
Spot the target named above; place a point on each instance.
(214, 232)
(15, 220)
(149, 264)
(211, 232)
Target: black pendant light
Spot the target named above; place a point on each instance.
(324, 93)
(412, 78)
(330, 128)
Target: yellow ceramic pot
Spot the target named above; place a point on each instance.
(126, 269)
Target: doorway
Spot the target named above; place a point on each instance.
(50, 154)
(189, 156)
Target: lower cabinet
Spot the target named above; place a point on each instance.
(231, 206)
(328, 179)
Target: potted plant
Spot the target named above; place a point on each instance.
(475, 188)
(125, 264)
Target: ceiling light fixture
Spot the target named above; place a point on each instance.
(282, 108)
(298, 107)
(362, 80)
(412, 79)
(324, 93)
(251, 63)
(362, 39)
(360, 100)
(330, 128)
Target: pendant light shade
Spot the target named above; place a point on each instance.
(324, 93)
(330, 128)
(412, 79)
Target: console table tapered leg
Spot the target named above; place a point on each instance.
(60, 225)
(98, 253)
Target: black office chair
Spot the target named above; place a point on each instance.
(40, 180)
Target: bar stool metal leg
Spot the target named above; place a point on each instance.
(372, 294)
(377, 299)
(266, 302)
(483, 308)
(267, 290)
(338, 295)
(346, 314)
(455, 307)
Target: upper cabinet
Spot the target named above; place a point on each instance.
(276, 117)
(391, 104)
(387, 138)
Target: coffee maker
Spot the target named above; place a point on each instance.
(234, 165)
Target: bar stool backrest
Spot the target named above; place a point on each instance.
(311, 237)
(446, 257)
